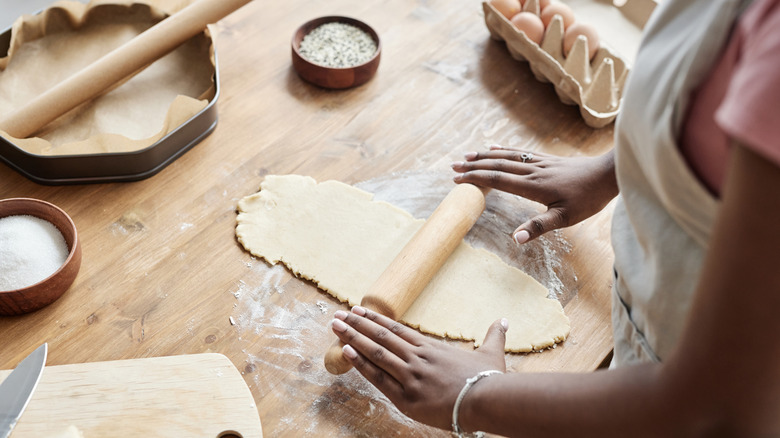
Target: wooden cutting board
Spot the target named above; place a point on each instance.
(200, 395)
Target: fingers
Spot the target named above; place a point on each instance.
(501, 153)
(502, 169)
(507, 165)
(374, 361)
(552, 219)
(495, 339)
(400, 330)
(503, 180)
(379, 344)
(378, 377)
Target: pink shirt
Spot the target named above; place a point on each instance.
(740, 100)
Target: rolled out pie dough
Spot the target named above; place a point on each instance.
(338, 237)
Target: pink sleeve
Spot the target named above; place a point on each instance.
(750, 112)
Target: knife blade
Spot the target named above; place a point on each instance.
(16, 390)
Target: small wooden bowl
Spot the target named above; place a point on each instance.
(45, 292)
(330, 77)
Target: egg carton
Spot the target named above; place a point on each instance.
(595, 85)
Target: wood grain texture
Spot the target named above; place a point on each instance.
(162, 273)
(200, 395)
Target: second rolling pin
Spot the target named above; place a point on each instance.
(414, 267)
(115, 66)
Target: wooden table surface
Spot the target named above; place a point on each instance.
(163, 274)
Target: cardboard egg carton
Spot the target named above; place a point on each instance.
(596, 85)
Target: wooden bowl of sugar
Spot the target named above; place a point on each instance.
(40, 254)
(336, 52)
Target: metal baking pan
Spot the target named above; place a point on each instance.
(111, 167)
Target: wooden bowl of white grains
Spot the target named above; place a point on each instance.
(40, 254)
(336, 52)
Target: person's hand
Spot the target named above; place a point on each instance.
(573, 189)
(421, 376)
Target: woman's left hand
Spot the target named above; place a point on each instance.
(421, 376)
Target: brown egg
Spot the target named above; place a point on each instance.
(530, 24)
(557, 8)
(576, 30)
(543, 4)
(507, 8)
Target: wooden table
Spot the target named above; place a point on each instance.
(163, 274)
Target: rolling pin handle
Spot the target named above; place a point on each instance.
(380, 305)
(335, 362)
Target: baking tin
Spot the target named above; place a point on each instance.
(111, 167)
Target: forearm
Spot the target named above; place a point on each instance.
(619, 403)
(733, 318)
(722, 379)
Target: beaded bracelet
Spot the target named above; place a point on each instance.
(456, 430)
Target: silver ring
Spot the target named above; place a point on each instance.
(526, 157)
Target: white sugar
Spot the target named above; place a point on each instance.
(31, 249)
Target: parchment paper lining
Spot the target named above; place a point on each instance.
(49, 47)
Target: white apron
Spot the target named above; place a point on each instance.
(664, 215)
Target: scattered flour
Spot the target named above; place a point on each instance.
(300, 334)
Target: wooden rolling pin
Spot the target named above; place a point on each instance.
(117, 65)
(414, 267)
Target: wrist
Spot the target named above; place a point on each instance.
(607, 173)
(466, 411)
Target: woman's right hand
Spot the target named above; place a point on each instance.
(421, 375)
(573, 189)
